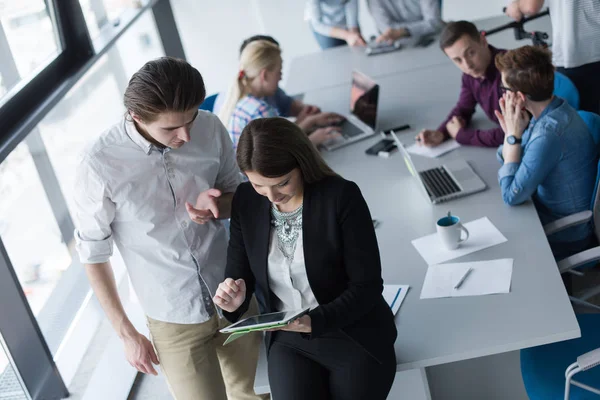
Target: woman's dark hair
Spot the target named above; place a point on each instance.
(455, 30)
(163, 85)
(528, 70)
(273, 147)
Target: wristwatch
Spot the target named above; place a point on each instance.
(512, 139)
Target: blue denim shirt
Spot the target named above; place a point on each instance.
(557, 169)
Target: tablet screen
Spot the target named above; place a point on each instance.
(265, 320)
(262, 319)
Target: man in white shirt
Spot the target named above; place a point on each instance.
(575, 42)
(155, 184)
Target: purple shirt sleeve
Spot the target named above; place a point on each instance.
(480, 137)
(465, 107)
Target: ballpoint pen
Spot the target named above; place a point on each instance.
(462, 280)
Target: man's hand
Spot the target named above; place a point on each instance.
(311, 109)
(513, 118)
(306, 111)
(430, 138)
(455, 125)
(140, 353)
(391, 35)
(354, 38)
(206, 207)
(323, 135)
(320, 120)
(230, 294)
(513, 11)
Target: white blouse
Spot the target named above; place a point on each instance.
(288, 281)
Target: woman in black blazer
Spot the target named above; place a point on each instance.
(301, 236)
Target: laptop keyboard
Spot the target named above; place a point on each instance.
(349, 130)
(438, 182)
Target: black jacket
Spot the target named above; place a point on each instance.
(341, 256)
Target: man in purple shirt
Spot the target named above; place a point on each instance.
(469, 50)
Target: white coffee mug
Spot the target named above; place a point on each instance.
(449, 231)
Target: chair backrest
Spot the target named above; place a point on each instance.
(209, 103)
(564, 88)
(593, 123)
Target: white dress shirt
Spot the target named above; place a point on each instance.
(288, 281)
(131, 193)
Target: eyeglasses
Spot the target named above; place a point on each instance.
(504, 89)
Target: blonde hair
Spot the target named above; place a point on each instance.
(257, 56)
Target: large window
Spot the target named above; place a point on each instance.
(32, 208)
(29, 229)
(100, 13)
(28, 37)
(59, 89)
(96, 102)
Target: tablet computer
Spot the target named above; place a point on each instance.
(265, 321)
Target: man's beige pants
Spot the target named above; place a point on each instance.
(196, 364)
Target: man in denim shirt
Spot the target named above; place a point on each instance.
(552, 159)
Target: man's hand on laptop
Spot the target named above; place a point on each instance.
(206, 207)
(324, 135)
(230, 294)
(312, 122)
(430, 138)
(306, 111)
(327, 119)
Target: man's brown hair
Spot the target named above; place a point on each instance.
(528, 70)
(163, 85)
(455, 30)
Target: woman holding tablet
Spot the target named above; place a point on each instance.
(303, 237)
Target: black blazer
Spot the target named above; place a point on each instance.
(341, 256)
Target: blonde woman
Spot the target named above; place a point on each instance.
(258, 78)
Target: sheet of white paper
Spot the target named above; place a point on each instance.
(482, 234)
(394, 295)
(433, 152)
(487, 277)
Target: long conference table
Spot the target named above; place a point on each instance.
(431, 332)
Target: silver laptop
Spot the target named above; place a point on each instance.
(451, 180)
(362, 120)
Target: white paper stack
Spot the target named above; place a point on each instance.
(433, 152)
(486, 277)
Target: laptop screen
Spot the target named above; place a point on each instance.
(364, 98)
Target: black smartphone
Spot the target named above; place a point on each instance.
(396, 129)
(386, 145)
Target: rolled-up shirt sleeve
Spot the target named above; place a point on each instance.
(519, 181)
(229, 176)
(94, 213)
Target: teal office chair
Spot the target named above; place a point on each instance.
(209, 103)
(564, 88)
(581, 261)
(548, 371)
